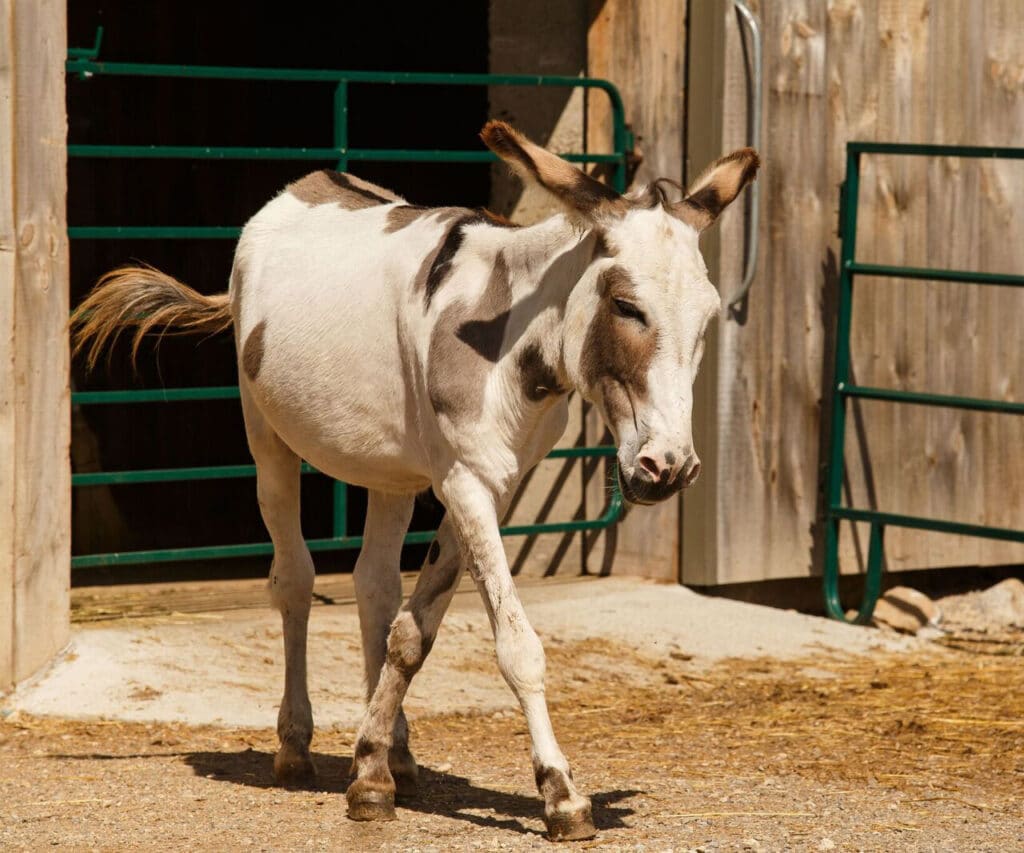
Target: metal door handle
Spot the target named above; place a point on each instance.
(749, 19)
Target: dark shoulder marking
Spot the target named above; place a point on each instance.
(442, 264)
(485, 332)
(537, 378)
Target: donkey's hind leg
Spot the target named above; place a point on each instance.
(379, 594)
(291, 589)
(371, 796)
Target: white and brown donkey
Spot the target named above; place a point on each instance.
(403, 348)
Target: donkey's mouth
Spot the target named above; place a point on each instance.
(632, 495)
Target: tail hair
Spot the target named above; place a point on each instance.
(144, 298)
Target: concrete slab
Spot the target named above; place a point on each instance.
(226, 667)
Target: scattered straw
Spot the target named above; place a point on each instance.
(689, 815)
(979, 806)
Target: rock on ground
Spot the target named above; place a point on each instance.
(905, 610)
(999, 607)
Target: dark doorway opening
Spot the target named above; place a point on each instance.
(418, 37)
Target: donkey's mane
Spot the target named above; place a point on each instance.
(656, 192)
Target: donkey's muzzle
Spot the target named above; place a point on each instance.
(652, 481)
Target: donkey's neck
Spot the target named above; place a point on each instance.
(546, 262)
(551, 255)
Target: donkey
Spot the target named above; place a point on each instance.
(402, 348)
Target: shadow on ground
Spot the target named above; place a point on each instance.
(441, 794)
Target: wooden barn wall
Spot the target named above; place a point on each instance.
(886, 70)
(598, 38)
(35, 485)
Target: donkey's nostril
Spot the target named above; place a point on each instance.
(692, 474)
(650, 466)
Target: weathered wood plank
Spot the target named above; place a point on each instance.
(702, 526)
(8, 243)
(770, 355)
(999, 65)
(35, 474)
(640, 46)
(527, 39)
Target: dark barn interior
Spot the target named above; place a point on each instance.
(118, 110)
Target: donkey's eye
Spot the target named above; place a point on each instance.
(628, 309)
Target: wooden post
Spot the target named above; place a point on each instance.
(641, 47)
(705, 87)
(35, 488)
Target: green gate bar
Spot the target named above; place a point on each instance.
(337, 542)
(835, 512)
(84, 63)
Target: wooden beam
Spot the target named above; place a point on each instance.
(640, 46)
(705, 87)
(35, 488)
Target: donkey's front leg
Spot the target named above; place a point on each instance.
(520, 654)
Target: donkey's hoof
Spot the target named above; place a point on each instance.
(571, 826)
(370, 801)
(405, 773)
(294, 768)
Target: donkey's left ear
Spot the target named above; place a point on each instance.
(716, 188)
(579, 193)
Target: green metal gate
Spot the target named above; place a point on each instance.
(85, 63)
(842, 390)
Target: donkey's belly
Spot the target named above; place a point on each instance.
(345, 420)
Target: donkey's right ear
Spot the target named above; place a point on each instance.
(579, 193)
(716, 188)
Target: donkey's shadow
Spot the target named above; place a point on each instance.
(442, 794)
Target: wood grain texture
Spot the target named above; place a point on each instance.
(930, 336)
(702, 525)
(35, 489)
(525, 39)
(887, 70)
(536, 37)
(639, 46)
(7, 276)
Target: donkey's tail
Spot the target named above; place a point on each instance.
(144, 298)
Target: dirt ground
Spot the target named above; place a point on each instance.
(893, 751)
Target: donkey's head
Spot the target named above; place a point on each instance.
(635, 322)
